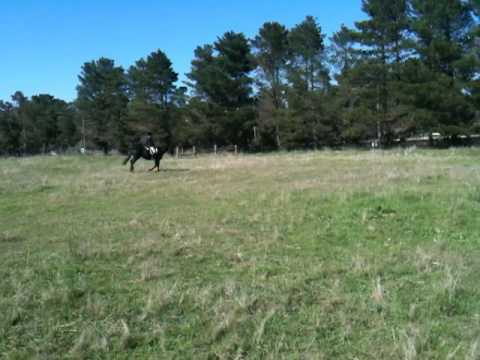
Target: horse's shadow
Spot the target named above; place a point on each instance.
(174, 170)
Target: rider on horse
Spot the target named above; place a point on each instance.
(146, 149)
(147, 141)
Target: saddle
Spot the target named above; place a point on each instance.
(152, 150)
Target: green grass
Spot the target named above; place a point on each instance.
(321, 255)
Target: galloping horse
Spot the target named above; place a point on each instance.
(154, 153)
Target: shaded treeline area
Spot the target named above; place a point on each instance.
(412, 67)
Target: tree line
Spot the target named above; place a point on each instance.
(412, 67)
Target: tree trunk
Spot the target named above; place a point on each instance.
(277, 137)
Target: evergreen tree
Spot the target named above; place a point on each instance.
(443, 29)
(19, 101)
(474, 85)
(411, 67)
(220, 76)
(354, 119)
(50, 122)
(102, 103)
(10, 130)
(306, 66)
(271, 53)
(308, 123)
(31, 126)
(343, 54)
(383, 37)
(152, 91)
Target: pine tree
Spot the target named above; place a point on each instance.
(383, 39)
(102, 103)
(447, 67)
(152, 90)
(307, 122)
(10, 130)
(271, 53)
(220, 79)
(50, 122)
(347, 105)
(343, 54)
(306, 66)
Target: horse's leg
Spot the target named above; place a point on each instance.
(156, 166)
(156, 159)
(132, 162)
(126, 160)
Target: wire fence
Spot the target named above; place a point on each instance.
(193, 151)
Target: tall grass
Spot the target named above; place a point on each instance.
(349, 255)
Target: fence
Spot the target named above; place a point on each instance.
(435, 141)
(194, 151)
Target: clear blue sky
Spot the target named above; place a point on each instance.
(45, 42)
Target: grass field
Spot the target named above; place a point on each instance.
(321, 255)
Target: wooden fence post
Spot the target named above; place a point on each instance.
(236, 150)
(194, 151)
(176, 152)
(215, 149)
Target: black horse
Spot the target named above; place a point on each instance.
(138, 151)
